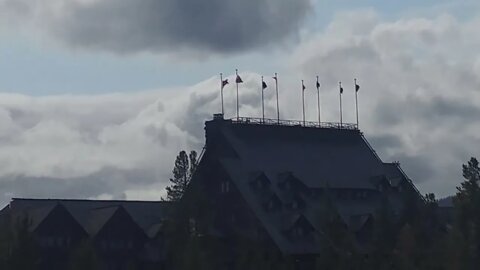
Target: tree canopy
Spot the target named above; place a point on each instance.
(183, 171)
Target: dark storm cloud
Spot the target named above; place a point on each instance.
(222, 26)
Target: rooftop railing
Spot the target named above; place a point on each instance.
(276, 122)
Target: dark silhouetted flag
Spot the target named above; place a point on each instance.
(275, 78)
(357, 87)
(264, 85)
(224, 82)
(303, 87)
(341, 90)
(318, 85)
(238, 79)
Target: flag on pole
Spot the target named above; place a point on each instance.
(318, 85)
(238, 79)
(275, 77)
(303, 86)
(357, 87)
(264, 85)
(341, 89)
(224, 82)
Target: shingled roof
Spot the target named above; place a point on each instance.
(92, 214)
(319, 158)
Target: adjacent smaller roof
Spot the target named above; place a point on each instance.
(92, 215)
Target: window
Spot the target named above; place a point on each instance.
(59, 242)
(361, 194)
(297, 203)
(273, 204)
(192, 225)
(294, 204)
(225, 187)
(298, 231)
(50, 242)
(260, 182)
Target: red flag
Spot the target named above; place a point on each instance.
(224, 82)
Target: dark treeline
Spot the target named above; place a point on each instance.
(422, 237)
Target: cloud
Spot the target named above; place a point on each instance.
(129, 26)
(419, 98)
(106, 146)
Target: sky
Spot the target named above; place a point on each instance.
(97, 97)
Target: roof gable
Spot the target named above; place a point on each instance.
(119, 224)
(295, 167)
(59, 217)
(93, 214)
(315, 156)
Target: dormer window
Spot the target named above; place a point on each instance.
(287, 181)
(273, 204)
(297, 203)
(384, 184)
(301, 228)
(260, 181)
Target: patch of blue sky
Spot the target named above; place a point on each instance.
(38, 69)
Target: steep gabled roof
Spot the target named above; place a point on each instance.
(317, 156)
(92, 214)
(99, 217)
(340, 160)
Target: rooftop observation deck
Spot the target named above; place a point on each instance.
(292, 123)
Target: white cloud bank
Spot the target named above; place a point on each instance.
(419, 104)
(107, 146)
(420, 95)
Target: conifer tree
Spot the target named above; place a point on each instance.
(185, 166)
(467, 208)
(23, 253)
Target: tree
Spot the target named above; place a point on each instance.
(467, 210)
(23, 253)
(182, 173)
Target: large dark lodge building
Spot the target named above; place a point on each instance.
(270, 182)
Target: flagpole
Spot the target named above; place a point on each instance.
(236, 82)
(341, 120)
(263, 106)
(221, 89)
(318, 101)
(303, 102)
(276, 91)
(356, 99)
